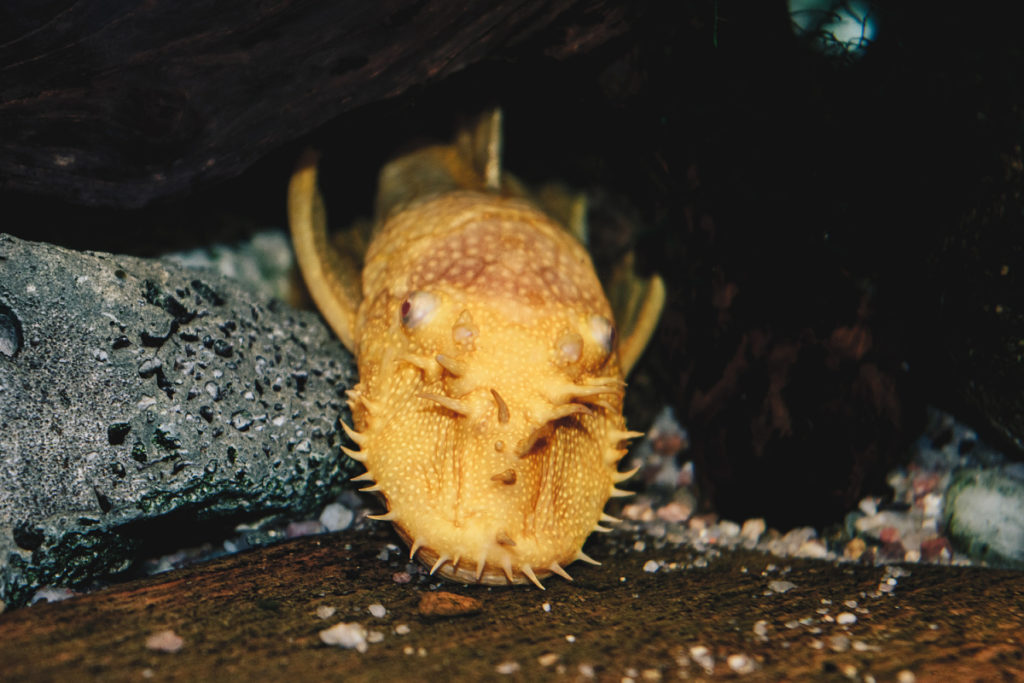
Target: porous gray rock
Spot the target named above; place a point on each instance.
(141, 399)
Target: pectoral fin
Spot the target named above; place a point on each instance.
(333, 277)
(637, 303)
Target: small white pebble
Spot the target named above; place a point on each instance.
(402, 629)
(507, 668)
(570, 638)
(52, 594)
(377, 610)
(868, 506)
(348, 635)
(548, 659)
(165, 641)
(752, 529)
(639, 546)
(325, 611)
(546, 607)
(703, 657)
(336, 517)
(850, 671)
(761, 628)
(586, 670)
(651, 566)
(846, 618)
(812, 549)
(779, 586)
(838, 643)
(729, 528)
(408, 650)
(651, 675)
(375, 636)
(906, 676)
(741, 664)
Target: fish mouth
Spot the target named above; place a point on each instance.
(468, 571)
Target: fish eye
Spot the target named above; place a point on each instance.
(418, 308)
(603, 331)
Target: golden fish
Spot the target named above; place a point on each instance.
(489, 408)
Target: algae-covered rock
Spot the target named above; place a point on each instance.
(142, 400)
(984, 515)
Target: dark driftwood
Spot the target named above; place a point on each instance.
(112, 103)
(253, 616)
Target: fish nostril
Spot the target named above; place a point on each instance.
(464, 331)
(569, 347)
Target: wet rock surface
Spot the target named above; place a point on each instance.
(712, 615)
(143, 404)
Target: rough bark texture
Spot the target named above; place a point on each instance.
(254, 617)
(108, 103)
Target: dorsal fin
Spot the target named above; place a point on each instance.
(472, 162)
(480, 145)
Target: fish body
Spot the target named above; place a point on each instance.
(488, 413)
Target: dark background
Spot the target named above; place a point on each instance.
(840, 235)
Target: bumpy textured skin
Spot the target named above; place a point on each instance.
(489, 409)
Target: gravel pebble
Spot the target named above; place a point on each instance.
(336, 517)
(165, 641)
(349, 635)
(548, 659)
(741, 664)
(507, 668)
(703, 657)
(779, 586)
(445, 604)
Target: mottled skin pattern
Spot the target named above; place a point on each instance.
(489, 409)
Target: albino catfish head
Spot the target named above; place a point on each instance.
(490, 412)
(489, 409)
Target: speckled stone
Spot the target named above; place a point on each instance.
(140, 399)
(984, 516)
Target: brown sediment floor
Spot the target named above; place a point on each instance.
(734, 614)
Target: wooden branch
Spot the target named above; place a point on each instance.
(122, 103)
(255, 616)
